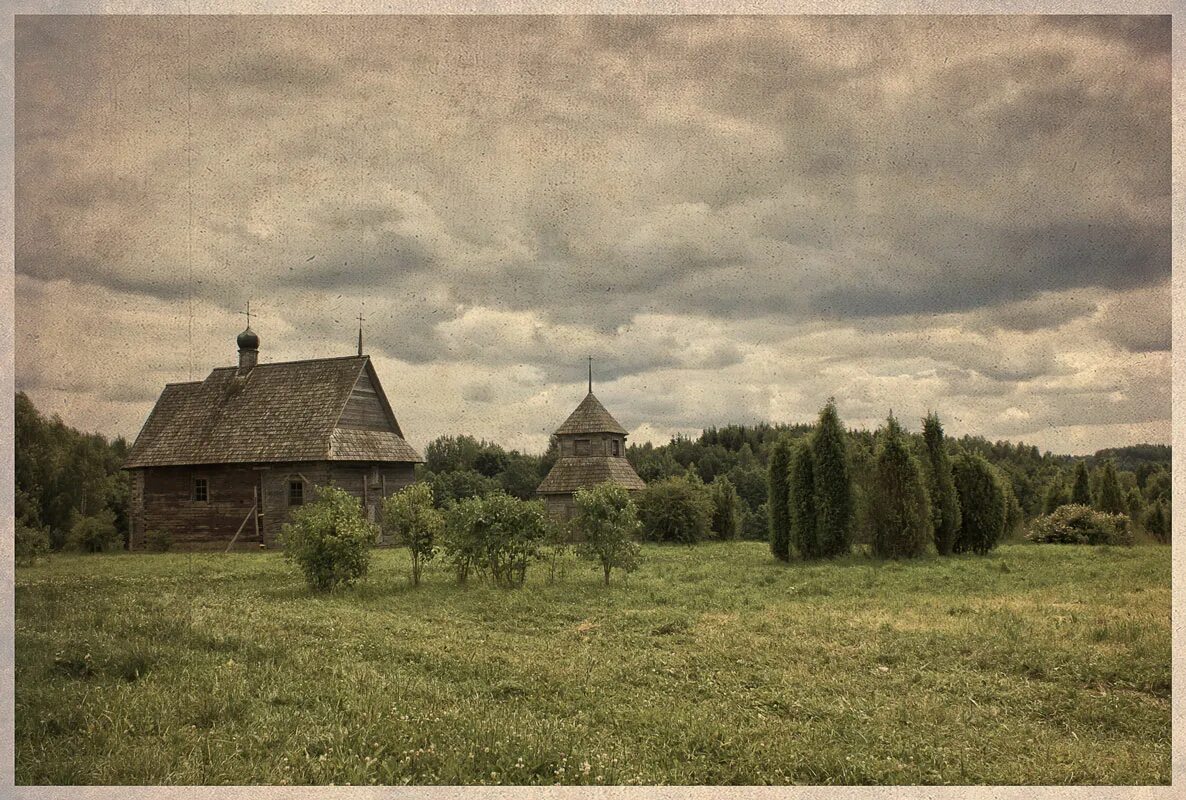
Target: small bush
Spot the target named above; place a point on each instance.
(498, 535)
(675, 510)
(158, 541)
(329, 539)
(96, 534)
(409, 514)
(32, 543)
(1078, 524)
(609, 521)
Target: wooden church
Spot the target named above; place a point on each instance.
(228, 458)
(592, 451)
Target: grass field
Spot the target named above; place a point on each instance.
(1035, 665)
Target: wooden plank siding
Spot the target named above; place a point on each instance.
(363, 410)
(166, 499)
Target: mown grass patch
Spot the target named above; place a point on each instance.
(713, 664)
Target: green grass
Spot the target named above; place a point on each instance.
(1034, 665)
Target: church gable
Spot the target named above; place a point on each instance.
(364, 410)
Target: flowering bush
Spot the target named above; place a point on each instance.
(1079, 524)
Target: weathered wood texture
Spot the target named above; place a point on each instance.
(166, 498)
(363, 410)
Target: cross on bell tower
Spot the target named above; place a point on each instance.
(360, 321)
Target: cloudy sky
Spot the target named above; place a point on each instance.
(736, 217)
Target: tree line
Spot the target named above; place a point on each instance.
(70, 491)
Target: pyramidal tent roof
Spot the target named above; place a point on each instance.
(590, 417)
(287, 411)
(581, 472)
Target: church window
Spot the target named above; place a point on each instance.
(296, 493)
(201, 490)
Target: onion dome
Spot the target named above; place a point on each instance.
(248, 340)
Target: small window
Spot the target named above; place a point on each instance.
(582, 447)
(614, 447)
(296, 493)
(201, 490)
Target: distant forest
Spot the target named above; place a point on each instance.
(64, 476)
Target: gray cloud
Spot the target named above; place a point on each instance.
(676, 197)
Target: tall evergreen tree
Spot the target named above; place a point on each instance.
(1157, 523)
(833, 484)
(901, 510)
(1135, 504)
(945, 506)
(802, 502)
(777, 500)
(726, 517)
(1110, 500)
(1081, 492)
(982, 504)
(1056, 495)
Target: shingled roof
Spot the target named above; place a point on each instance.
(590, 417)
(576, 472)
(285, 411)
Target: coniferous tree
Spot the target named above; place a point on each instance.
(833, 484)
(726, 517)
(982, 504)
(777, 500)
(1134, 504)
(1109, 499)
(1056, 495)
(802, 502)
(1081, 493)
(901, 510)
(1157, 523)
(945, 507)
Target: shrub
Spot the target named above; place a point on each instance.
(778, 499)
(726, 518)
(95, 534)
(329, 539)
(901, 510)
(1078, 524)
(833, 484)
(945, 504)
(675, 510)
(410, 515)
(498, 535)
(608, 519)
(982, 504)
(556, 545)
(158, 541)
(804, 531)
(31, 543)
